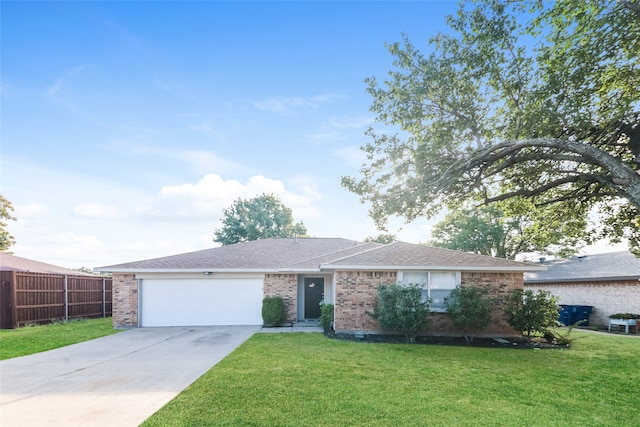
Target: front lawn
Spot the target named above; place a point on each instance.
(307, 379)
(34, 339)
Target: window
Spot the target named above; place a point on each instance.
(436, 285)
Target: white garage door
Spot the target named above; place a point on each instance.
(200, 302)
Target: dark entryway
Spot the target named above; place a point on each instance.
(313, 294)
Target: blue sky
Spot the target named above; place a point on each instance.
(127, 127)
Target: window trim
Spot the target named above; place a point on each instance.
(458, 280)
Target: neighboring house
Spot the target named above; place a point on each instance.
(16, 263)
(226, 285)
(609, 282)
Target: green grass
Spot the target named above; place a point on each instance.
(34, 339)
(307, 379)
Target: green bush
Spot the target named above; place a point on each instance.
(470, 309)
(531, 312)
(326, 316)
(400, 308)
(273, 311)
(625, 316)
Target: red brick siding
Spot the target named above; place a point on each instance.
(125, 301)
(285, 286)
(498, 285)
(356, 292)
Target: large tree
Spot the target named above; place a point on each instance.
(262, 217)
(522, 99)
(6, 239)
(505, 230)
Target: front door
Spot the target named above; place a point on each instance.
(313, 294)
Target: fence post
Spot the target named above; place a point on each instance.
(14, 299)
(104, 299)
(66, 299)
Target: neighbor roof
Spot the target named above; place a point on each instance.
(610, 266)
(316, 254)
(16, 263)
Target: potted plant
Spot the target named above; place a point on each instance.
(624, 319)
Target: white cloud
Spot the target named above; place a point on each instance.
(326, 135)
(337, 128)
(350, 122)
(206, 128)
(58, 85)
(351, 156)
(211, 194)
(60, 247)
(199, 161)
(290, 104)
(282, 105)
(96, 210)
(30, 210)
(175, 89)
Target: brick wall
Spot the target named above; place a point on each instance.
(606, 297)
(498, 285)
(356, 292)
(285, 286)
(125, 301)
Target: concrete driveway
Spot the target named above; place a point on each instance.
(119, 380)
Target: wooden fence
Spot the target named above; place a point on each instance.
(31, 298)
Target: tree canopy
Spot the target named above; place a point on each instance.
(500, 230)
(262, 217)
(536, 100)
(6, 239)
(383, 238)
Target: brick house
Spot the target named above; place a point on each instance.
(226, 285)
(609, 282)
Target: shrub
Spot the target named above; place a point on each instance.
(556, 337)
(326, 316)
(470, 309)
(273, 311)
(531, 312)
(400, 308)
(625, 316)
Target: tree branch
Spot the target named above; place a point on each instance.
(631, 6)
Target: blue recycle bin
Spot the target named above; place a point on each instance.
(570, 314)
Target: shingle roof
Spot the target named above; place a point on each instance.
(16, 263)
(302, 254)
(265, 254)
(614, 265)
(402, 254)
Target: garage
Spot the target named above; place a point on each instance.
(230, 300)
